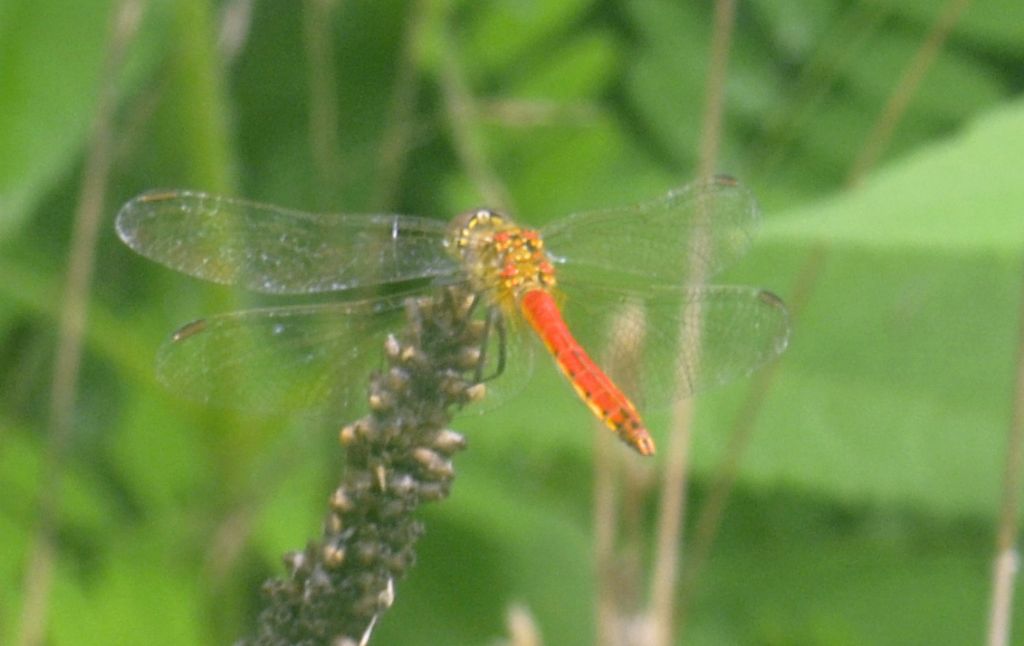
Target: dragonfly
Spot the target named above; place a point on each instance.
(629, 282)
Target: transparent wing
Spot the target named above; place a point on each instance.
(268, 249)
(682, 238)
(663, 342)
(301, 358)
(309, 358)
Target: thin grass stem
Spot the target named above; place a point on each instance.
(672, 506)
(1007, 559)
(89, 211)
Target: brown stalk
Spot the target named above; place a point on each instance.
(1007, 560)
(81, 261)
(885, 126)
(606, 521)
(235, 24)
(231, 534)
(672, 507)
(530, 113)
(840, 47)
(622, 482)
(464, 119)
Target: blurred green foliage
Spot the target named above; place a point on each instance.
(866, 500)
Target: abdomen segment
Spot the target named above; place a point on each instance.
(594, 387)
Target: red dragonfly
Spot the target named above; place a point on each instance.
(632, 276)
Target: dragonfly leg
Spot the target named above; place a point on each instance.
(494, 321)
(473, 304)
(489, 322)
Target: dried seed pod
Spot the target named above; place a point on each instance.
(392, 348)
(448, 441)
(433, 491)
(397, 379)
(434, 464)
(454, 386)
(347, 435)
(413, 356)
(401, 484)
(469, 357)
(381, 477)
(295, 561)
(340, 501)
(476, 392)
(367, 552)
(333, 524)
(333, 554)
(381, 401)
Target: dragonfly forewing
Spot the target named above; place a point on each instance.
(272, 250)
(682, 238)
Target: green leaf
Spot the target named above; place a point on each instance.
(158, 454)
(896, 387)
(790, 570)
(196, 132)
(51, 53)
(963, 195)
(138, 585)
(504, 33)
(580, 68)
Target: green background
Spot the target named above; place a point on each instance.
(867, 498)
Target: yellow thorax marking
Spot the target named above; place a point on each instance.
(500, 257)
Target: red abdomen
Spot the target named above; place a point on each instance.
(594, 387)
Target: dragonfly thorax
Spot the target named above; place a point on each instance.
(499, 256)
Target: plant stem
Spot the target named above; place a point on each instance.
(1007, 560)
(396, 458)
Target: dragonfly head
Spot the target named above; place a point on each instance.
(498, 255)
(470, 231)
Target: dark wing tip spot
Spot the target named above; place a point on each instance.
(771, 299)
(157, 196)
(135, 210)
(188, 330)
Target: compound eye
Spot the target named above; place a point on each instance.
(460, 226)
